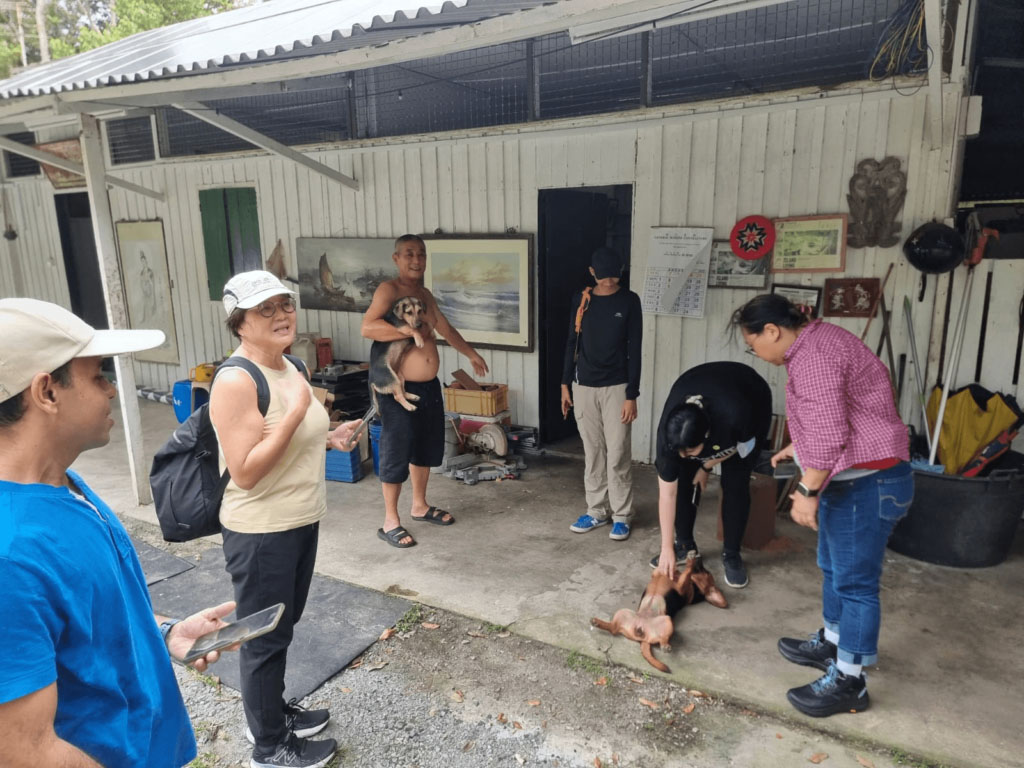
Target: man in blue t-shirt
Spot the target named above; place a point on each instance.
(85, 671)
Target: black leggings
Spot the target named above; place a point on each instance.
(735, 500)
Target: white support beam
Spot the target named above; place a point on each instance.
(72, 167)
(933, 29)
(113, 294)
(209, 115)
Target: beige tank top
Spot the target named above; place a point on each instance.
(293, 493)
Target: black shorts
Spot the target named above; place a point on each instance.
(411, 437)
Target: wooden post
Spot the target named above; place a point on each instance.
(113, 293)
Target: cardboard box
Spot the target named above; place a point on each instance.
(489, 401)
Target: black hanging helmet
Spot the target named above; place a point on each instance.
(934, 248)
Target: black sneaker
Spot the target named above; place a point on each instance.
(814, 652)
(294, 752)
(735, 571)
(299, 720)
(832, 693)
(681, 552)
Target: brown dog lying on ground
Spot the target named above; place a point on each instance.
(653, 622)
(386, 356)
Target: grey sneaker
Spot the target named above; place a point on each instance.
(816, 651)
(294, 752)
(682, 553)
(735, 571)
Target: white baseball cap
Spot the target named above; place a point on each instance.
(39, 337)
(250, 289)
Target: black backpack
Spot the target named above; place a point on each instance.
(185, 478)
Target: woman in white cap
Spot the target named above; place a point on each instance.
(271, 508)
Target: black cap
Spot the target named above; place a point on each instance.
(606, 263)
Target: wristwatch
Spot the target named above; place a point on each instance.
(165, 628)
(803, 490)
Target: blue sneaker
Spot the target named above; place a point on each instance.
(620, 532)
(587, 523)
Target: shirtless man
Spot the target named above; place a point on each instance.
(412, 442)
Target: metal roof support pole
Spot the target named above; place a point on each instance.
(235, 128)
(933, 31)
(70, 165)
(113, 295)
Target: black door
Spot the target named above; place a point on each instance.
(572, 224)
(74, 220)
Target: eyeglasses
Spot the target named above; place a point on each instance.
(269, 308)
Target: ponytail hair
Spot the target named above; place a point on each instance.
(770, 308)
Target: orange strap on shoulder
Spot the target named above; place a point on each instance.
(584, 303)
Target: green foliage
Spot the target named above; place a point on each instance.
(578, 661)
(411, 619)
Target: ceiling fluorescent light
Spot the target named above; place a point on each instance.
(660, 16)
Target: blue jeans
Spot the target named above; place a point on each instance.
(855, 518)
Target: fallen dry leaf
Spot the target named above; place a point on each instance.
(637, 680)
(346, 690)
(817, 757)
(601, 681)
(597, 762)
(356, 664)
(501, 718)
(467, 746)
(375, 667)
(865, 762)
(648, 703)
(534, 702)
(615, 757)
(671, 722)
(429, 625)
(689, 708)
(517, 724)
(387, 634)
(699, 695)
(520, 759)
(458, 696)
(778, 735)
(503, 634)
(473, 633)
(748, 712)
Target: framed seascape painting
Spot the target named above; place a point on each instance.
(147, 285)
(484, 286)
(810, 244)
(342, 273)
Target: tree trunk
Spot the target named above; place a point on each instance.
(44, 41)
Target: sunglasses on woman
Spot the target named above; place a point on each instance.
(269, 308)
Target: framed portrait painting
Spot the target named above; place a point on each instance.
(147, 285)
(810, 244)
(484, 286)
(808, 295)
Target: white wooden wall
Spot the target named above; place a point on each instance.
(703, 165)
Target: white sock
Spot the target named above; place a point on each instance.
(852, 670)
(832, 637)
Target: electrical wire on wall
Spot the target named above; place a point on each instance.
(903, 48)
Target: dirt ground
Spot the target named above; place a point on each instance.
(444, 691)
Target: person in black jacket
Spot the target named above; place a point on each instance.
(716, 413)
(602, 364)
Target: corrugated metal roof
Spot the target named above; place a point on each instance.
(261, 33)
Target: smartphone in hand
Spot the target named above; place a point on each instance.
(238, 631)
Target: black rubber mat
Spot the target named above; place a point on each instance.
(340, 621)
(157, 564)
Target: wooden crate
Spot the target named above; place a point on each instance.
(491, 400)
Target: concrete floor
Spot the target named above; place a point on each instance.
(947, 686)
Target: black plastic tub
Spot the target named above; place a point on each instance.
(962, 522)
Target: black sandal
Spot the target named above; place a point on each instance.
(435, 516)
(394, 537)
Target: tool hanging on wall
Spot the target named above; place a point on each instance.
(921, 386)
(984, 323)
(886, 339)
(874, 306)
(980, 237)
(1020, 340)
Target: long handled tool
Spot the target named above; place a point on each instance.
(922, 387)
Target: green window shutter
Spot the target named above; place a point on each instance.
(215, 240)
(243, 229)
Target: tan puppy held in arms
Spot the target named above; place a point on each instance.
(654, 622)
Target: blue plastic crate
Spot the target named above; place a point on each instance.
(344, 466)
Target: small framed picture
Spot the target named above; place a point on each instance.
(730, 271)
(807, 295)
(810, 244)
(851, 296)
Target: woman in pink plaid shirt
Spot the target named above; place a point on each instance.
(856, 484)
